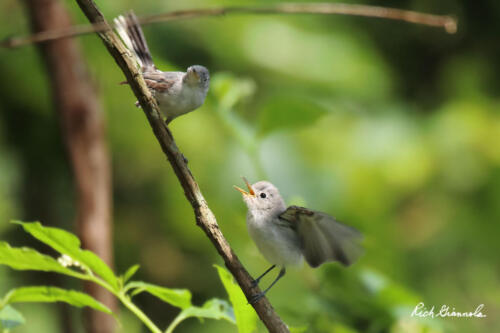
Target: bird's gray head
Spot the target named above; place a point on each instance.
(197, 75)
(263, 198)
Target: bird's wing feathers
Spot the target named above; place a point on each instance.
(161, 81)
(323, 238)
(159, 86)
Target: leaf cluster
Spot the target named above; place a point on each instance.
(86, 265)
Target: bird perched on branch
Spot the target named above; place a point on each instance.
(177, 93)
(285, 236)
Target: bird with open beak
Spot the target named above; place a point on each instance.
(285, 236)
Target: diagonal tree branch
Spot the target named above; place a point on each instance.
(441, 21)
(205, 219)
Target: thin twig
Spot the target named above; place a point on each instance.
(440, 21)
(205, 219)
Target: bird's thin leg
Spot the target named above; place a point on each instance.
(256, 281)
(257, 297)
(280, 275)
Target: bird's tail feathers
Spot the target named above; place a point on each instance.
(129, 30)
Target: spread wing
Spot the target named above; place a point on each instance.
(323, 238)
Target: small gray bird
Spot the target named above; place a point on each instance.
(285, 236)
(177, 93)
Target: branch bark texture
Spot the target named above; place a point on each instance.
(205, 218)
(82, 125)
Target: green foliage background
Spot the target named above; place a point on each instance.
(393, 128)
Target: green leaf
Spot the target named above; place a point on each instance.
(10, 317)
(213, 309)
(130, 272)
(246, 318)
(52, 294)
(28, 259)
(180, 298)
(230, 90)
(288, 112)
(66, 243)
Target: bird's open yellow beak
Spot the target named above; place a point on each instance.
(250, 189)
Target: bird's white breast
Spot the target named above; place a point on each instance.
(180, 99)
(279, 245)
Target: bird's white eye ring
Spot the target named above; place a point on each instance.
(263, 195)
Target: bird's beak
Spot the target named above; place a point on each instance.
(194, 75)
(250, 189)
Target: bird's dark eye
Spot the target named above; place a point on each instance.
(263, 195)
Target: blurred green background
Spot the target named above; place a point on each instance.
(391, 127)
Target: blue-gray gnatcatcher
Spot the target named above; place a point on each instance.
(177, 93)
(285, 236)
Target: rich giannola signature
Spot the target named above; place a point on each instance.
(422, 311)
